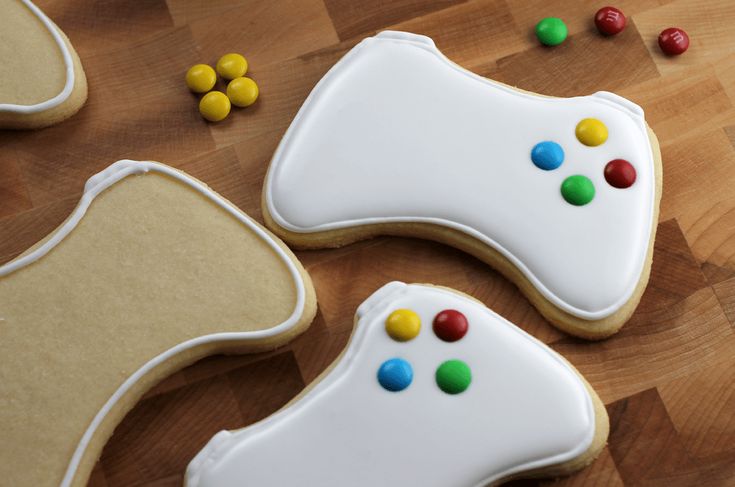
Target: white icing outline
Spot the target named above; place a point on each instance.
(375, 304)
(617, 102)
(96, 185)
(68, 62)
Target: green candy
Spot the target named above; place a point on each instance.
(578, 190)
(453, 376)
(551, 31)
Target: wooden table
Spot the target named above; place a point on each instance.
(668, 378)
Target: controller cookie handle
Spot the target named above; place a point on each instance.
(559, 194)
(433, 389)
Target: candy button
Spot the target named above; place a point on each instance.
(547, 155)
(214, 106)
(551, 31)
(453, 376)
(200, 78)
(591, 132)
(403, 325)
(395, 374)
(231, 66)
(673, 41)
(450, 325)
(242, 92)
(609, 21)
(578, 190)
(620, 173)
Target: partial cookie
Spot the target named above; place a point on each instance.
(43, 81)
(151, 272)
(560, 195)
(434, 389)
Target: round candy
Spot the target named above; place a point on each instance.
(578, 190)
(609, 21)
(214, 106)
(673, 41)
(450, 325)
(453, 376)
(591, 132)
(200, 78)
(242, 92)
(551, 31)
(547, 155)
(231, 66)
(395, 374)
(403, 325)
(620, 173)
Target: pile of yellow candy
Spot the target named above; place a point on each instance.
(241, 91)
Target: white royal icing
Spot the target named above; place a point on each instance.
(525, 408)
(96, 185)
(395, 132)
(68, 63)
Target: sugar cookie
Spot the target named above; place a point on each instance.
(43, 81)
(493, 405)
(151, 272)
(514, 178)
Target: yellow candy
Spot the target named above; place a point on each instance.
(242, 92)
(591, 132)
(214, 106)
(200, 78)
(403, 325)
(231, 66)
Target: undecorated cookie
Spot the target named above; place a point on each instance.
(434, 389)
(559, 194)
(151, 272)
(43, 81)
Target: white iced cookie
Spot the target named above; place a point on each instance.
(434, 389)
(152, 271)
(43, 81)
(560, 195)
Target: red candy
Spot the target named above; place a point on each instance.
(610, 21)
(673, 41)
(450, 325)
(620, 173)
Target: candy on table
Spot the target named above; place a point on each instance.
(673, 41)
(242, 92)
(214, 106)
(231, 66)
(610, 21)
(201, 78)
(551, 31)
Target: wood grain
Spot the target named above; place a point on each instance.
(667, 378)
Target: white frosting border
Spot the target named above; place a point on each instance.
(375, 303)
(68, 62)
(423, 42)
(96, 185)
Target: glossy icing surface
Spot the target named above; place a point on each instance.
(68, 63)
(96, 185)
(395, 123)
(524, 408)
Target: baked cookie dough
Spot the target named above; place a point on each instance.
(560, 195)
(151, 272)
(43, 81)
(433, 389)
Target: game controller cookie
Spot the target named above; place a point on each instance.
(43, 81)
(434, 389)
(559, 194)
(152, 271)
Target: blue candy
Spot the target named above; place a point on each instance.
(547, 155)
(395, 374)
